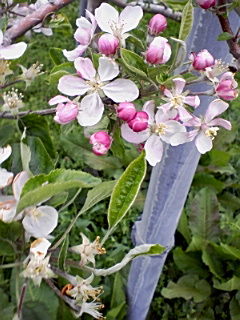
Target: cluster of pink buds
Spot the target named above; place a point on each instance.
(101, 142)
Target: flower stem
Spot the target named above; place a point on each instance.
(20, 305)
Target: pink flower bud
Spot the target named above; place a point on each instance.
(159, 51)
(157, 24)
(226, 87)
(101, 142)
(202, 60)
(139, 122)
(206, 4)
(66, 112)
(126, 111)
(108, 44)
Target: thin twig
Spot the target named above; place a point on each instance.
(24, 287)
(9, 115)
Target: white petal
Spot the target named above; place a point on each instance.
(41, 221)
(1, 37)
(74, 54)
(85, 67)
(184, 115)
(72, 86)
(58, 99)
(183, 137)
(130, 17)
(93, 21)
(220, 122)
(154, 150)
(180, 83)
(192, 101)
(91, 110)
(13, 51)
(172, 128)
(106, 16)
(149, 107)
(107, 69)
(134, 137)
(215, 108)
(121, 90)
(203, 143)
(5, 178)
(82, 22)
(18, 183)
(5, 153)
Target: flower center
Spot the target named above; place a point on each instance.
(12, 99)
(96, 85)
(116, 27)
(160, 129)
(176, 101)
(211, 132)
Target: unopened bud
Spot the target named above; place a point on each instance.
(202, 60)
(66, 112)
(139, 122)
(226, 87)
(108, 44)
(159, 51)
(126, 111)
(157, 24)
(206, 4)
(101, 142)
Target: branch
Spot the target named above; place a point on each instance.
(33, 19)
(152, 8)
(9, 115)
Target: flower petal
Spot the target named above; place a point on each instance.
(107, 69)
(58, 99)
(106, 17)
(134, 137)
(130, 18)
(203, 143)
(149, 107)
(1, 37)
(172, 128)
(154, 150)
(91, 110)
(18, 183)
(192, 101)
(5, 178)
(215, 108)
(85, 67)
(13, 51)
(180, 83)
(74, 54)
(183, 137)
(5, 153)
(220, 122)
(72, 86)
(121, 90)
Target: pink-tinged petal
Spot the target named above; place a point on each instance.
(149, 107)
(83, 23)
(162, 115)
(5, 178)
(18, 183)
(183, 137)
(172, 127)
(168, 93)
(74, 54)
(154, 150)
(107, 69)
(166, 53)
(121, 90)
(215, 108)
(193, 101)
(1, 37)
(220, 122)
(93, 21)
(58, 99)
(13, 51)
(82, 36)
(203, 142)
(5, 153)
(106, 16)
(73, 86)
(91, 110)
(193, 122)
(180, 83)
(85, 67)
(229, 76)
(134, 137)
(130, 18)
(184, 115)
(40, 222)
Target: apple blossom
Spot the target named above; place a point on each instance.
(161, 128)
(101, 142)
(28, 75)
(159, 51)
(226, 89)
(5, 176)
(157, 24)
(177, 99)
(109, 20)
(205, 128)
(96, 83)
(202, 60)
(4, 70)
(206, 4)
(139, 122)
(108, 44)
(91, 308)
(126, 111)
(65, 112)
(88, 250)
(12, 101)
(12, 51)
(83, 36)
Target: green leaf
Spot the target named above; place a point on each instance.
(183, 227)
(137, 42)
(98, 193)
(118, 295)
(234, 252)
(224, 36)
(234, 308)
(42, 187)
(230, 285)
(207, 180)
(10, 231)
(3, 23)
(197, 244)
(229, 201)
(7, 248)
(57, 56)
(219, 158)
(126, 190)
(61, 70)
(187, 21)
(6, 133)
(188, 287)
(134, 63)
(204, 218)
(213, 263)
(117, 146)
(58, 199)
(63, 253)
(60, 23)
(118, 312)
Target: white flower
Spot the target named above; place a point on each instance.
(5, 176)
(92, 309)
(95, 84)
(12, 101)
(12, 51)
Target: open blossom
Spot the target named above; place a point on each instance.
(159, 51)
(12, 101)
(176, 100)
(96, 84)
(4, 70)
(29, 75)
(66, 110)
(161, 128)
(206, 128)
(88, 250)
(12, 51)
(226, 89)
(5, 176)
(109, 20)
(202, 60)
(83, 36)
(92, 309)
(101, 142)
